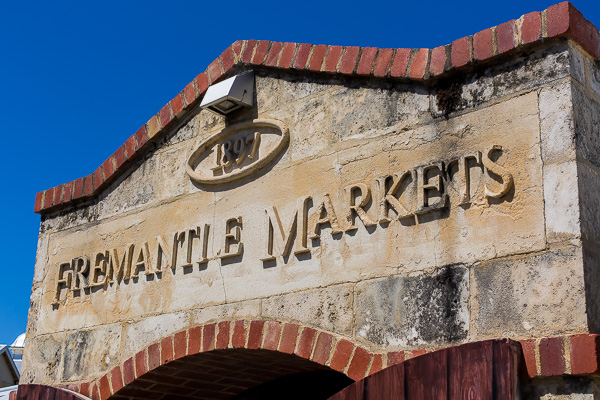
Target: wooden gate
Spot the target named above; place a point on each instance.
(43, 392)
(474, 371)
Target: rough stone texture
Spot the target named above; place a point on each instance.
(586, 104)
(130, 191)
(59, 221)
(106, 346)
(522, 265)
(329, 308)
(240, 310)
(522, 73)
(564, 388)
(592, 73)
(43, 364)
(138, 335)
(415, 310)
(523, 296)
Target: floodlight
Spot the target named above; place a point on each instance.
(231, 94)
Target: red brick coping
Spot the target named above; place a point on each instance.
(558, 21)
(543, 357)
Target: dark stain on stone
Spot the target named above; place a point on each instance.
(74, 353)
(414, 310)
(448, 97)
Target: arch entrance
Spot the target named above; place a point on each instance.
(237, 374)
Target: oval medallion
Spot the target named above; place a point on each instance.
(237, 151)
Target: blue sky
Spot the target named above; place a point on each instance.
(77, 78)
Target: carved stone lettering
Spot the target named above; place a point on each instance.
(81, 266)
(282, 238)
(233, 236)
(142, 261)
(195, 234)
(465, 173)
(496, 170)
(99, 269)
(357, 210)
(119, 268)
(389, 199)
(325, 215)
(237, 151)
(430, 181)
(388, 196)
(63, 279)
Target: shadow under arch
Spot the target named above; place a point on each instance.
(244, 358)
(237, 374)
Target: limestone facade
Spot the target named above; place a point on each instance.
(400, 215)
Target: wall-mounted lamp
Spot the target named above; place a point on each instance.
(231, 94)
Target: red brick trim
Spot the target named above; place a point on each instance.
(543, 357)
(558, 21)
(314, 344)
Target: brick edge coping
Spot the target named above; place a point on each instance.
(561, 20)
(543, 357)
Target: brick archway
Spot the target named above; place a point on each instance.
(315, 345)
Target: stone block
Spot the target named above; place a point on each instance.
(268, 93)
(586, 122)
(141, 333)
(589, 203)
(524, 73)
(592, 72)
(361, 113)
(556, 123)
(561, 196)
(529, 296)
(577, 64)
(562, 388)
(41, 257)
(42, 359)
(132, 190)
(329, 308)
(424, 309)
(296, 89)
(172, 172)
(235, 310)
(62, 220)
(87, 353)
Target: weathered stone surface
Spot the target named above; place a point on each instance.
(556, 123)
(587, 120)
(41, 258)
(577, 59)
(561, 196)
(561, 388)
(414, 310)
(420, 242)
(508, 249)
(527, 296)
(138, 335)
(131, 191)
(43, 364)
(329, 308)
(353, 115)
(171, 172)
(518, 75)
(268, 92)
(589, 185)
(87, 351)
(592, 73)
(69, 218)
(229, 311)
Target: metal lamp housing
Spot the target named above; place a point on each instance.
(230, 95)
